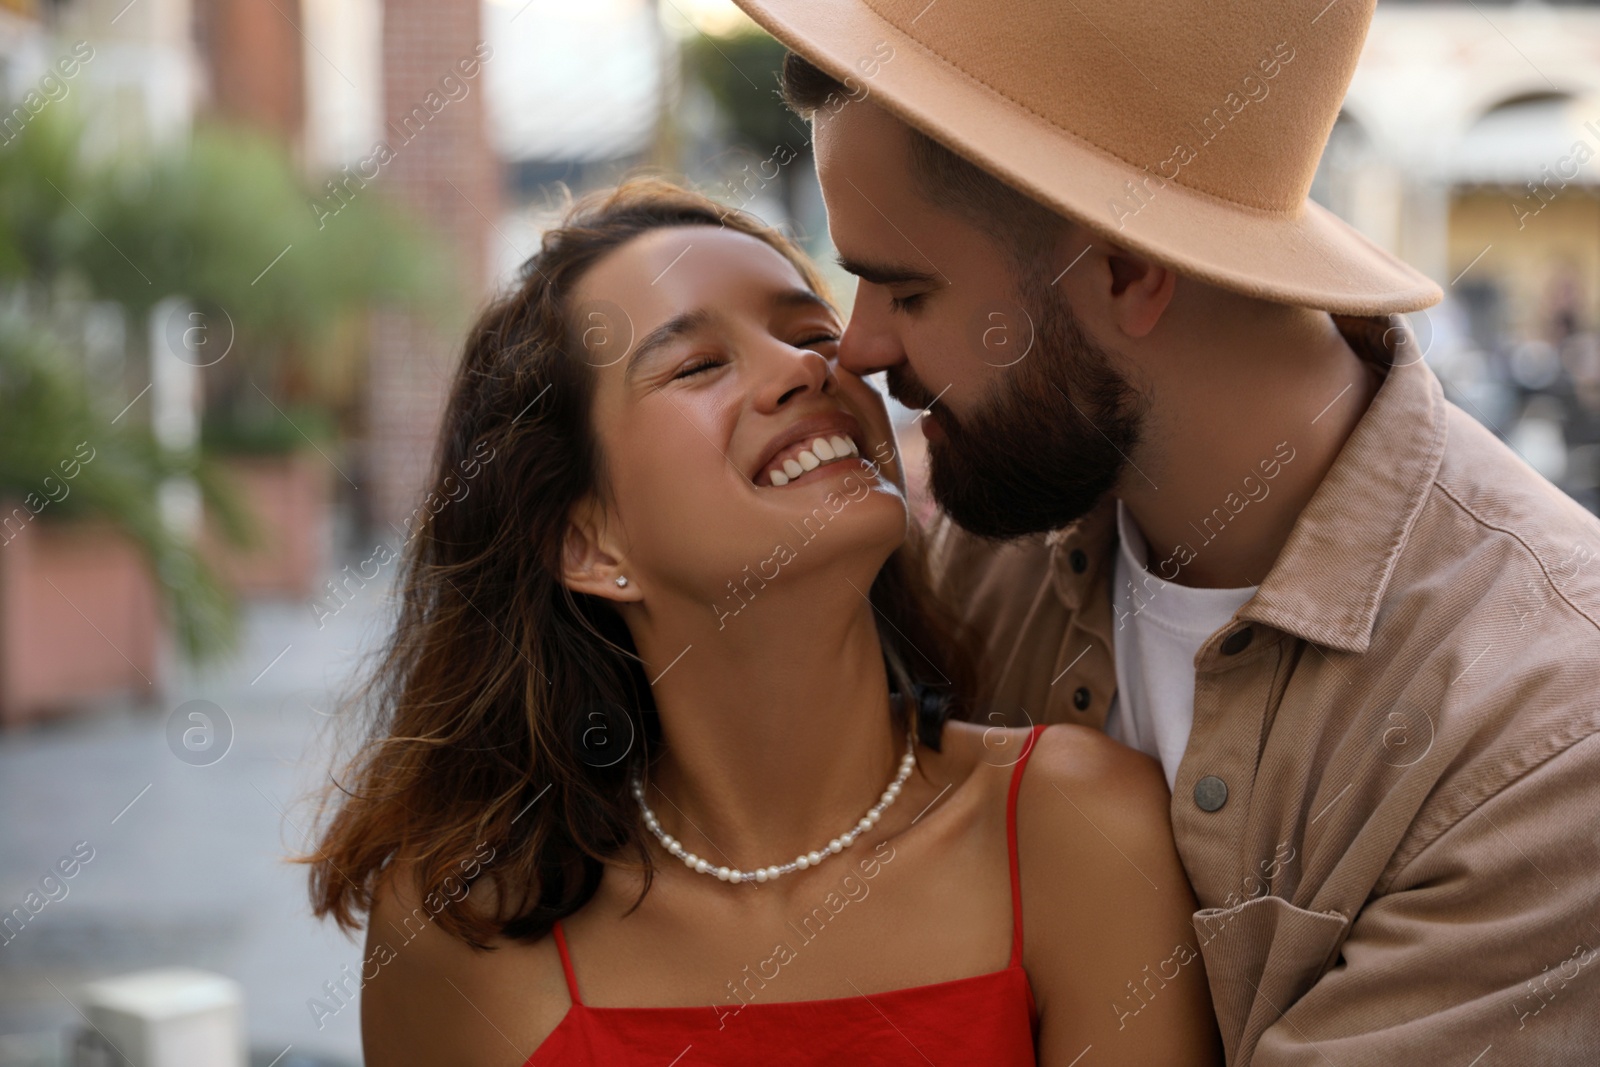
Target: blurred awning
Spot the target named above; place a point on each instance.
(1513, 144)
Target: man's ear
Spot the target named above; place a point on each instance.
(590, 560)
(1141, 289)
(1132, 291)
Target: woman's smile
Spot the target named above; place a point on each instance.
(808, 445)
(798, 461)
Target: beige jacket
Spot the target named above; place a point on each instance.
(1389, 806)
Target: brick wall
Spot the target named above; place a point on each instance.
(254, 60)
(445, 173)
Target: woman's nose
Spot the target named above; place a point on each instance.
(793, 372)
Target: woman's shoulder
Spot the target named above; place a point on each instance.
(1104, 894)
(426, 992)
(1094, 785)
(1070, 756)
(1078, 789)
(1085, 765)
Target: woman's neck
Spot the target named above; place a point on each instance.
(777, 729)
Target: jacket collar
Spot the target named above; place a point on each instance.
(1329, 580)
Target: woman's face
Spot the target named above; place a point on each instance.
(730, 438)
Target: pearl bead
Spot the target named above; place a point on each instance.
(848, 839)
(814, 857)
(835, 845)
(773, 872)
(735, 876)
(803, 862)
(722, 874)
(864, 825)
(701, 865)
(761, 875)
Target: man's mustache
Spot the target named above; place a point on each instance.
(905, 387)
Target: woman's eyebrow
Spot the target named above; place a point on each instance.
(801, 298)
(681, 324)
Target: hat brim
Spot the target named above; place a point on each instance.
(1310, 257)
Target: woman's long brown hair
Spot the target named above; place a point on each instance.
(505, 710)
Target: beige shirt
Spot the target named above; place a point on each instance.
(1389, 806)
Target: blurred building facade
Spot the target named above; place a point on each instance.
(1467, 145)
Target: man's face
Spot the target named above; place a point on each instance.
(1029, 422)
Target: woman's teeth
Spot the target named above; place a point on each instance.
(822, 450)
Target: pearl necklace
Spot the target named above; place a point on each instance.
(800, 862)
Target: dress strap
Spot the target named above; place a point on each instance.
(1011, 846)
(566, 959)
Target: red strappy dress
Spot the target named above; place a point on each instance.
(988, 1019)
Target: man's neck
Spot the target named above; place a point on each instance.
(1232, 467)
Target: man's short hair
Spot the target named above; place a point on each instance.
(1026, 229)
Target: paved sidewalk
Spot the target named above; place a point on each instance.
(186, 864)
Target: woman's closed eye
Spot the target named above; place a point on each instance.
(705, 363)
(820, 339)
(695, 366)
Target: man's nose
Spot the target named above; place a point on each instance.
(869, 343)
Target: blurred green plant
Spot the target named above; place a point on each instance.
(224, 222)
(741, 73)
(267, 433)
(60, 459)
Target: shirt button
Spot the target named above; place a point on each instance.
(1079, 561)
(1080, 698)
(1237, 641)
(1210, 793)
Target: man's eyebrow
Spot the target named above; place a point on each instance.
(885, 274)
(680, 325)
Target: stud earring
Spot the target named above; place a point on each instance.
(622, 582)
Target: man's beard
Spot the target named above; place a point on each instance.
(1046, 447)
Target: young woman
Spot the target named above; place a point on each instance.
(663, 768)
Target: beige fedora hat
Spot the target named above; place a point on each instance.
(1186, 130)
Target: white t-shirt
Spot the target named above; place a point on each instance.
(1157, 627)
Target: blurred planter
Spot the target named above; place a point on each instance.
(290, 497)
(80, 618)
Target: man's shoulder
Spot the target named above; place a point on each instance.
(1497, 517)
(1488, 641)
(1500, 563)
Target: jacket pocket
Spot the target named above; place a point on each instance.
(1261, 956)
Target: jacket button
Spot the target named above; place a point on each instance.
(1237, 641)
(1210, 793)
(1079, 561)
(1080, 698)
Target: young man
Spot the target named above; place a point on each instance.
(1202, 491)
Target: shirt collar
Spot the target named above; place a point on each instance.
(1329, 579)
